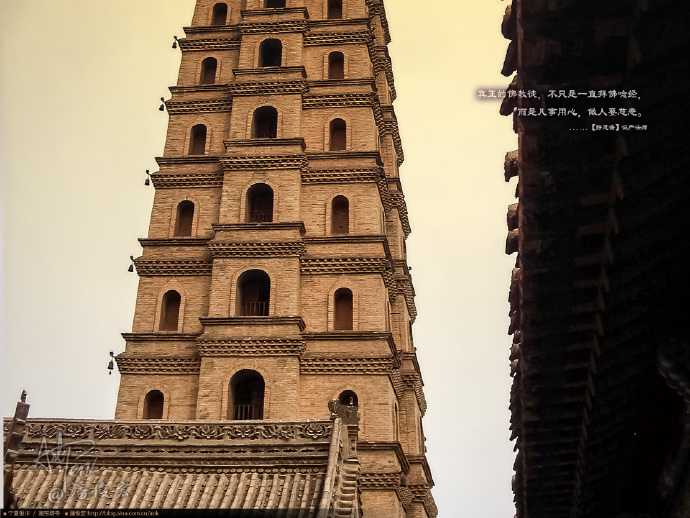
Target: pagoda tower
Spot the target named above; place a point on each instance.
(274, 277)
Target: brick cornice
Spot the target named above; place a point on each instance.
(267, 249)
(338, 23)
(373, 480)
(397, 383)
(318, 265)
(398, 201)
(263, 162)
(178, 180)
(152, 268)
(129, 364)
(269, 87)
(346, 365)
(338, 38)
(405, 288)
(251, 347)
(206, 44)
(381, 62)
(362, 175)
(274, 27)
(199, 106)
(413, 381)
(345, 100)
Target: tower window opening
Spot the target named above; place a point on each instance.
(220, 14)
(342, 320)
(153, 405)
(396, 422)
(254, 293)
(259, 204)
(270, 53)
(265, 123)
(170, 311)
(197, 144)
(338, 131)
(273, 4)
(348, 398)
(340, 215)
(336, 65)
(247, 388)
(209, 66)
(335, 9)
(185, 217)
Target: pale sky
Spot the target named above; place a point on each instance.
(82, 81)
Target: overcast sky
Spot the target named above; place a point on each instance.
(82, 81)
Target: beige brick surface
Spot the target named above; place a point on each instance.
(303, 359)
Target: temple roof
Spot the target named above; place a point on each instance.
(258, 465)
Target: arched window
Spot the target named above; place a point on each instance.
(338, 130)
(220, 14)
(185, 217)
(209, 66)
(170, 311)
(336, 65)
(340, 215)
(265, 123)
(247, 389)
(270, 53)
(348, 398)
(396, 421)
(153, 405)
(259, 203)
(342, 309)
(253, 294)
(197, 144)
(273, 4)
(335, 9)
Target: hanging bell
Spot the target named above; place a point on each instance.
(174, 45)
(111, 363)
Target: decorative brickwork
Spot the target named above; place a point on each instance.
(172, 267)
(251, 347)
(283, 285)
(157, 365)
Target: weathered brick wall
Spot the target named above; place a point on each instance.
(303, 359)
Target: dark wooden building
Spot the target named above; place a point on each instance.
(599, 295)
